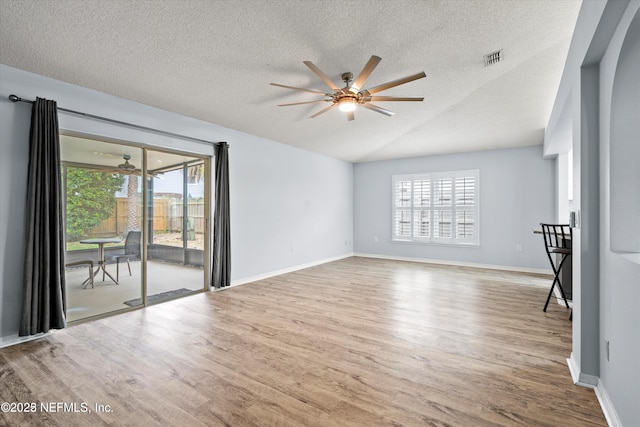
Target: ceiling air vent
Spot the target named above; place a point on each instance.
(493, 58)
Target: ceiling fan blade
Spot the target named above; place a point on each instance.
(324, 110)
(322, 75)
(393, 98)
(351, 116)
(378, 109)
(297, 88)
(306, 102)
(366, 72)
(394, 83)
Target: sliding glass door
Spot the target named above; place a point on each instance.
(136, 225)
(176, 224)
(103, 207)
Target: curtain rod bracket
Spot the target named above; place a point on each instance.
(15, 98)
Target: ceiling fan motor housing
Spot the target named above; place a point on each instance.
(347, 77)
(126, 165)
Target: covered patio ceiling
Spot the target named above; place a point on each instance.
(78, 150)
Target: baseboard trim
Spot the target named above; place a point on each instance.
(607, 406)
(273, 273)
(591, 381)
(263, 276)
(15, 339)
(458, 263)
(579, 378)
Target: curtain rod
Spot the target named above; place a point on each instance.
(15, 98)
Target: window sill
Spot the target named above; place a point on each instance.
(425, 243)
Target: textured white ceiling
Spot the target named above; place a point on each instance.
(214, 60)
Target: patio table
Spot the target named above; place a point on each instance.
(101, 264)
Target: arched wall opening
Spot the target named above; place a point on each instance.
(625, 147)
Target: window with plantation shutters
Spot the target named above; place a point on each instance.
(437, 207)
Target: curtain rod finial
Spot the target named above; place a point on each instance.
(15, 98)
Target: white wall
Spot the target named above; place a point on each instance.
(517, 193)
(619, 278)
(606, 338)
(289, 207)
(562, 191)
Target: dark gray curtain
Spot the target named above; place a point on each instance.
(44, 299)
(221, 275)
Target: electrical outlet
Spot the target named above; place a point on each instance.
(519, 247)
(375, 239)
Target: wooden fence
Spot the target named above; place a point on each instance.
(167, 217)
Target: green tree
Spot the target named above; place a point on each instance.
(90, 199)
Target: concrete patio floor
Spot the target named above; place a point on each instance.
(106, 296)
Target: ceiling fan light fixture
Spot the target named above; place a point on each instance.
(347, 105)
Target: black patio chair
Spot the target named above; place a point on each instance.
(131, 251)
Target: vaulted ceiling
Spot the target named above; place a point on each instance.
(214, 60)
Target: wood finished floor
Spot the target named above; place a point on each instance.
(356, 342)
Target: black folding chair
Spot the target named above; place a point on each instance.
(557, 241)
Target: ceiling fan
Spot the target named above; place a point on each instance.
(352, 95)
(126, 166)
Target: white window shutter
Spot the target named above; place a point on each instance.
(437, 207)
